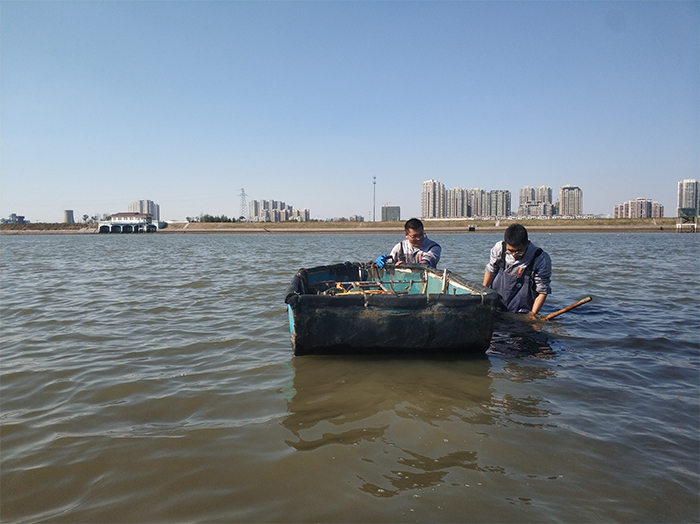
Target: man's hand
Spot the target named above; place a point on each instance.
(381, 260)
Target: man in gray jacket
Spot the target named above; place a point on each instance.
(519, 271)
(416, 249)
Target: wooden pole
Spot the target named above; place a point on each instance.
(568, 308)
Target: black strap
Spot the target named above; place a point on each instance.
(502, 262)
(531, 266)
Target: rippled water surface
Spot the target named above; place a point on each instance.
(150, 378)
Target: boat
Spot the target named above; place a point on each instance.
(360, 308)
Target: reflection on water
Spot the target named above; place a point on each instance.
(170, 394)
(423, 413)
(514, 336)
(341, 390)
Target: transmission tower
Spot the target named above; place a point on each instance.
(244, 205)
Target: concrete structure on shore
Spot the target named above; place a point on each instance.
(68, 217)
(128, 223)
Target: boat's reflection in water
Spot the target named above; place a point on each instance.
(405, 423)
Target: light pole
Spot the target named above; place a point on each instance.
(374, 199)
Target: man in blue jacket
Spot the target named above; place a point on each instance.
(416, 249)
(519, 271)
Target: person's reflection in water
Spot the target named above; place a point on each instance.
(515, 337)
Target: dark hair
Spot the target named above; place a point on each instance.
(414, 224)
(515, 235)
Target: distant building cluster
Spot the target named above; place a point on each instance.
(688, 198)
(437, 202)
(275, 211)
(146, 207)
(639, 208)
(14, 218)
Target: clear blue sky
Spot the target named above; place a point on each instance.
(185, 103)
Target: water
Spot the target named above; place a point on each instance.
(150, 378)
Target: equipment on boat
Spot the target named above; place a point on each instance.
(408, 308)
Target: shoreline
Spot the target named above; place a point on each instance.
(664, 225)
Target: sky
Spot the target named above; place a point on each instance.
(190, 103)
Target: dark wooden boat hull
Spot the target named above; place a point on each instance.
(390, 323)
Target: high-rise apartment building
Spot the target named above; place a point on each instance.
(146, 207)
(543, 194)
(571, 201)
(477, 202)
(456, 205)
(688, 197)
(639, 208)
(432, 201)
(499, 203)
(527, 194)
(535, 201)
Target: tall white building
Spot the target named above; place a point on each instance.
(688, 195)
(147, 207)
(456, 205)
(527, 194)
(477, 201)
(543, 194)
(570, 201)
(499, 203)
(432, 199)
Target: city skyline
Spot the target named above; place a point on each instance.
(454, 202)
(458, 202)
(189, 101)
